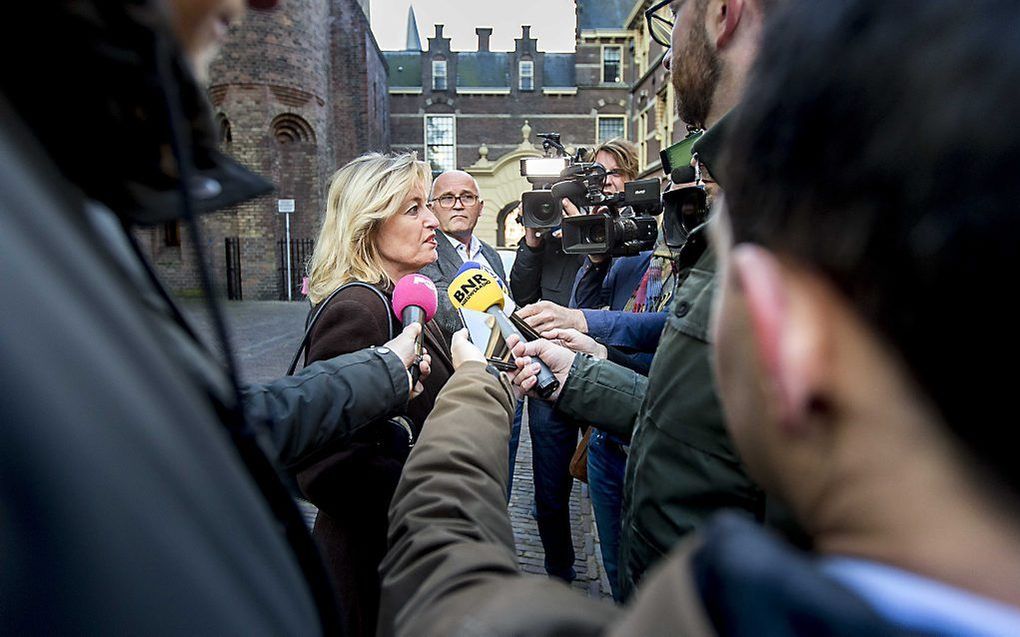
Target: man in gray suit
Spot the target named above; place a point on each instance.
(457, 204)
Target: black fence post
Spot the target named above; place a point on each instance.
(300, 253)
(232, 247)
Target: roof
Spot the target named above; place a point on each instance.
(603, 14)
(558, 70)
(405, 68)
(483, 69)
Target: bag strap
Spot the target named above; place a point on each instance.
(316, 312)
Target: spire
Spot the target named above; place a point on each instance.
(413, 41)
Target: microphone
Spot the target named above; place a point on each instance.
(475, 289)
(507, 298)
(415, 301)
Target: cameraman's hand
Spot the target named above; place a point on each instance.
(546, 315)
(569, 209)
(559, 359)
(464, 350)
(403, 346)
(577, 342)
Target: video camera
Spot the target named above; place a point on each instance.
(628, 225)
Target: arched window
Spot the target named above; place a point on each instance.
(291, 129)
(226, 134)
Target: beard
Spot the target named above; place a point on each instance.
(695, 77)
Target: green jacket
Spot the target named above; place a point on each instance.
(682, 466)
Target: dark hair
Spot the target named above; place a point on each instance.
(879, 142)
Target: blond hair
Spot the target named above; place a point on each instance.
(624, 152)
(362, 195)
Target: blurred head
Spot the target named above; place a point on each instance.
(713, 46)
(201, 26)
(859, 321)
(620, 158)
(457, 217)
(377, 227)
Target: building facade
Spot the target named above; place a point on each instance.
(296, 92)
(301, 90)
(481, 110)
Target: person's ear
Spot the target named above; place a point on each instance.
(723, 18)
(786, 333)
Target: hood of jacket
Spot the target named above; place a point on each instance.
(96, 82)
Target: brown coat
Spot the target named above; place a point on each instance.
(452, 568)
(353, 485)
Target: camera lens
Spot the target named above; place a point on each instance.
(597, 233)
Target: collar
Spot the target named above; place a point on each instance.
(473, 247)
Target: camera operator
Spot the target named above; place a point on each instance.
(140, 485)
(542, 270)
(673, 416)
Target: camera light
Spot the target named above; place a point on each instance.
(543, 166)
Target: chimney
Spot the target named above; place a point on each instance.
(525, 31)
(483, 37)
(439, 31)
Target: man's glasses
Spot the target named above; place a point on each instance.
(447, 201)
(659, 17)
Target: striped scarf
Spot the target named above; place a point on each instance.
(655, 290)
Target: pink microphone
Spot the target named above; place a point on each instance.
(415, 301)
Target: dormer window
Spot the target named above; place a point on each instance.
(526, 71)
(438, 75)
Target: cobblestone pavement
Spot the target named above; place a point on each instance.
(264, 336)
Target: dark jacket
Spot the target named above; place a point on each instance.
(443, 271)
(352, 484)
(610, 283)
(138, 497)
(604, 288)
(452, 568)
(676, 426)
(545, 273)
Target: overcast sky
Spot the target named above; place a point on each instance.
(552, 22)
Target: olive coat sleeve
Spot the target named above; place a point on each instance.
(451, 568)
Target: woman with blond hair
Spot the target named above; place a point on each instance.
(377, 229)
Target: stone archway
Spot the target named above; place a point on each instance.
(500, 183)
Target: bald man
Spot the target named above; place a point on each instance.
(455, 200)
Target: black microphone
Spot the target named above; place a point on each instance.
(683, 175)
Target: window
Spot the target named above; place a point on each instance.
(172, 234)
(527, 74)
(440, 142)
(610, 126)
(438, 75)
(612, 64)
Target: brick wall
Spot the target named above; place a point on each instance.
(304, 90)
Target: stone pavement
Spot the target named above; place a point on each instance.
(264, 336)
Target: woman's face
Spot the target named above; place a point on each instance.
(406, 241)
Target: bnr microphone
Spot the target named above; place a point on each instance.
(507, 299)
(475, 289)
(415, 301)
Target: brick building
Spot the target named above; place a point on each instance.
(479, 110)
(301, 90)
(296, 92)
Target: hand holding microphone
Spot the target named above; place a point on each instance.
(475, 289)
(415, 301)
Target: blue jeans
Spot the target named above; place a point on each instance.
(553, 441)
(607, 462)
(515, 441)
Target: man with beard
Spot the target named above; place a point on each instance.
(682, 466)
(846, 382)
